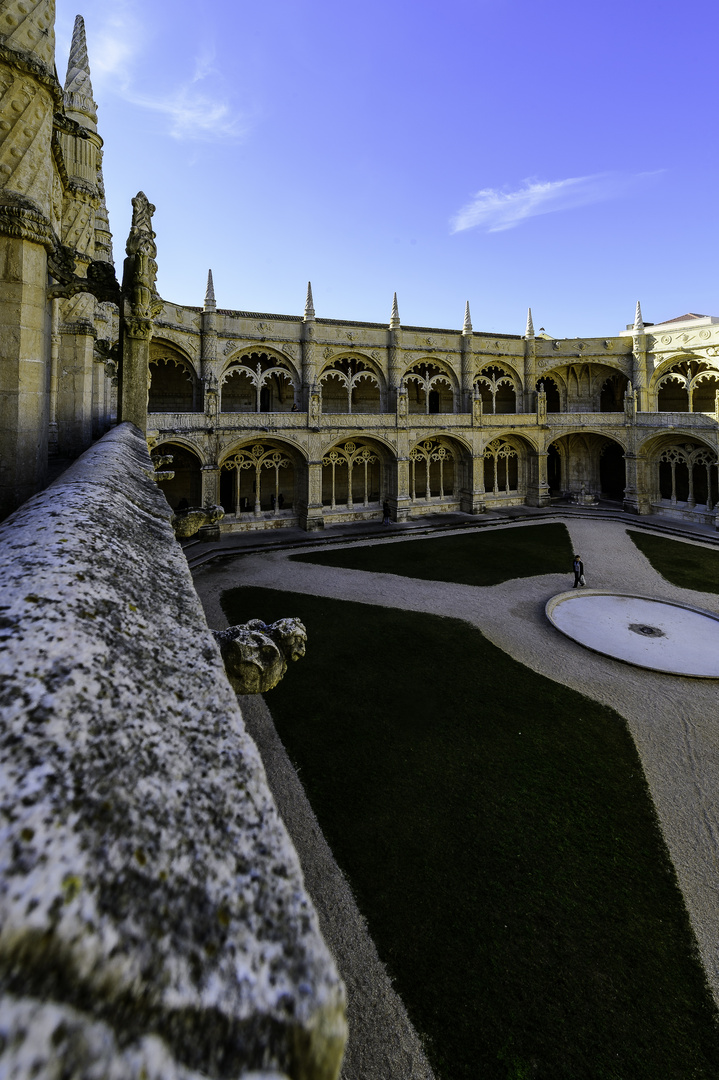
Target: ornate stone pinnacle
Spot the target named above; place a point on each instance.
(210, 304)
(78, 87)
(638, 321)
(530, 324)
(467, 328)
(394, 323)
(309, 303)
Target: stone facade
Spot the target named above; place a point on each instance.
(289, 420)
(295, 419)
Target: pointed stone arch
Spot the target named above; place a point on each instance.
(174, 386)
(680, 474)
(258, 380)
(498, 387)
(260, 478)
(432, 386)
(185, 487)
(352, 382)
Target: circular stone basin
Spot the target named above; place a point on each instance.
(655, 634)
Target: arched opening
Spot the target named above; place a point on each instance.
(257, 382)
(504, 467)
(185, 488)
(705, 389)
(429, 389)
(174, 387)
(686, 479)
(551, 389)
(611, 397)
(433, 471)
(586, 467)
(496, 388)
(673, 393)
(612, 471)
(554, 471)
(258, 480)
(349, 385)
(352, 476)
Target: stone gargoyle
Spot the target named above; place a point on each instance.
(189, 521)
(256, 655)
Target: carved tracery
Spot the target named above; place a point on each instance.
(498, 390)
(686, 475)
(342, 390)
(257, 382)
(258, 461)
(432, 388)
(501, 468)
(351, 458)
(431, 463)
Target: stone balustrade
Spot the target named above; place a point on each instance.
(153, 918)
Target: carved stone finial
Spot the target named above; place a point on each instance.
(309, 303)
(629, 389)
(210, 304)
(467, 328)
(78, 87)
(394, 323)
(140, 266)
(530, 324)
(256, 655)
(638, 321)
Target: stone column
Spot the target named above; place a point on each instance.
(472, 498)
(310, 508)
(134, 375)
(210, 484)
(394, 367)
(74, 405)
(538, 486)
(467, 373)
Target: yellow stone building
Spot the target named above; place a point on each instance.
(300, 419)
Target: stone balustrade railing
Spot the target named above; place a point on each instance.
(153, 918)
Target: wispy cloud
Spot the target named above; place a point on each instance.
(495, 209)
(199, 108)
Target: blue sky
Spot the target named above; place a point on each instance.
(561, 155)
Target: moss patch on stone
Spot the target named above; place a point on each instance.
(498, 833)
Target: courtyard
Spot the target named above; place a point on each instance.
(529, 828)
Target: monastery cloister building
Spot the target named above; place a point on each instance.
(295, 419)
(290, 420)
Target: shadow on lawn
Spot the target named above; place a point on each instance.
(498, 833)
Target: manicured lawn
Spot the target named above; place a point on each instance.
(477, 558)
(498, 834)
(681, 564)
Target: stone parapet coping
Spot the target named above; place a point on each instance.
(153, 917)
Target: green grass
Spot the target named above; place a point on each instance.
(499, 836)
(681, 564)
(477, 558)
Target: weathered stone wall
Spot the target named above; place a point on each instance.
(153, 918)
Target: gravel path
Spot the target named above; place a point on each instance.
(673, 719)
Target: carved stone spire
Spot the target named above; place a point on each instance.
(103, 236)
(309, 303)
(530, 324)
(638, 321)
(394, 323)
(78, 87)
(31, 32)
(210, 304)
(467, 328)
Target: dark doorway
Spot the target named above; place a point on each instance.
(612, 472)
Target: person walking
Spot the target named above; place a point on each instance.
(578, 567)
(385, 511)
